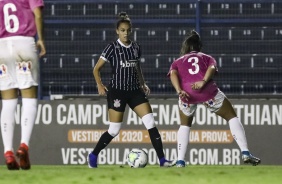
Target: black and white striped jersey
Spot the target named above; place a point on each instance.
(123, 60)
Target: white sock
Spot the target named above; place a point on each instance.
(182, 141)
(238, 133)
(114, 128)
(149, 121)
(8, 123)
(29, 112)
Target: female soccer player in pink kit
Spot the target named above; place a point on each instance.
(191, 76)
(20, 22)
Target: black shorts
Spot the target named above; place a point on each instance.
(117, 99)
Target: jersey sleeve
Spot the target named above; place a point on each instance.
(139, 51)
(173, 66)
(212, 62)
(35, 4)
(107, 52)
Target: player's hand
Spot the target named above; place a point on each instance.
(102, 90)
(41, 46)
(198, 85)
(183, 95)
(146, 89)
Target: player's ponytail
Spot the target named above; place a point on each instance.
(191, 43)
(123, 17)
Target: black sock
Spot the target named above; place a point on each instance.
(104, 140)
(156, 141)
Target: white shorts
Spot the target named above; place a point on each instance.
(187, 109)
(213, 104)
(18, 63)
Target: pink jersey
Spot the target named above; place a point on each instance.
(191, 68)
(17, 18)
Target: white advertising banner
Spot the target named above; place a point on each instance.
(66, 131)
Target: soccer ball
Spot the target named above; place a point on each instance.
(137, 158)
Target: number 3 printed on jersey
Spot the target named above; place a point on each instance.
(196, 68)
(9, 18)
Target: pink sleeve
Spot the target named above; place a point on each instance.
(212, 61)
(35, 3)
(173, 66)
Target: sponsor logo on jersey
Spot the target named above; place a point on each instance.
(127, 64)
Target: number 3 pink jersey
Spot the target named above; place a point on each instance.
(191, 68)
(17, 18)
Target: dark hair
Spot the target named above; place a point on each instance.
(123, 18)
(191, 43)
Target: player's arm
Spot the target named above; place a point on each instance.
(176, 84)
(39, 28)
(209, 73)
(96, 72)
(143, 85)
(175, 81)
(208, 76)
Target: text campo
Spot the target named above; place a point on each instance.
(165, 114)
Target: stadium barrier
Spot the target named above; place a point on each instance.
(67, 130)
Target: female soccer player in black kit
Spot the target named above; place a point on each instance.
(127, 86)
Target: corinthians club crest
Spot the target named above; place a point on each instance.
(116, 103)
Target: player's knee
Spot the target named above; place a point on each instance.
(114, 128)
(149, 121)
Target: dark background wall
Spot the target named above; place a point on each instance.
(244, 37)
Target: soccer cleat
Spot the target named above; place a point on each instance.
(166, 163)
(249, 158)
(92, 160)
(180, 163)
(11, 161)
(22, 154)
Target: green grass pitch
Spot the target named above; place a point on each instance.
(116, 174)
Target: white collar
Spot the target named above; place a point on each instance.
(127, 46)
